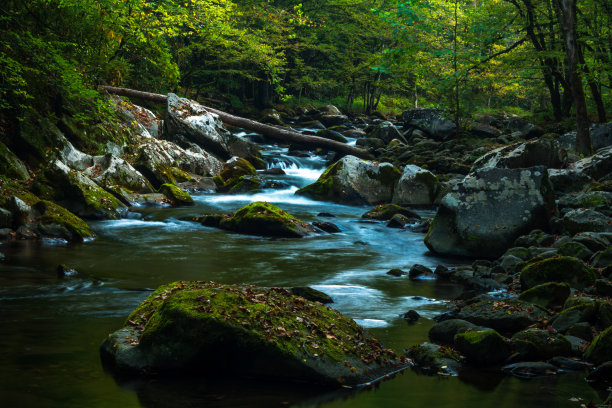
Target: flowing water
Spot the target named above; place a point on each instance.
(52, 327)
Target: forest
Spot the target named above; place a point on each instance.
(340, 203)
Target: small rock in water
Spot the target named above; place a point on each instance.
(418, 270)
(277, 171)
(530, 369)
(396, 272)
(311, 294)
(411, 316)
(398, 221)
(327, 227)
(131, 215)
(567, 363)
(64, 271)
(420, 227)
(326, 214)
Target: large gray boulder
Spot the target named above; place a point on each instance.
(540, 152)
(417, 186)
(109, 171)
(601, 136)
(386, 131)
(193, 122)
(489, 209)
(596, 166)
(354, 181)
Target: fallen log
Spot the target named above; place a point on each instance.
(272, 132)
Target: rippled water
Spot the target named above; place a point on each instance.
(52, 327)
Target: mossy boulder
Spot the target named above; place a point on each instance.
(568, 317)
(10, 165)
(575, 249)
(445, 331)
(434, 359)
(384, 212)
(547, 295)
(482, 347)
(238, 176)
(260, 218)
(505, 316)
(354, 181)
(77, 193)
(600, 349)
(176, 195)
(535, 344)
(602, 258)
(417, 186)
(566, 269)
(230, 330)
(57, 222)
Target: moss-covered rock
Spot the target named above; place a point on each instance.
(10, 165)
(602, 258)
(246, 331)
(434, 359)
(547, 295)
(600, 349)
(57, 222)
(575, 249)
(238, 176)
(558, 269)
(260, 218)
(535, 344)
(482, 347)
(176, 195)
(568, 317)
(311, 294)
(385, 212)
(445, 331)
(604, 314)
(354, 181)
(505, 316)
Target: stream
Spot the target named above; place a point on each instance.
(52, 327)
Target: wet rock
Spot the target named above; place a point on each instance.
(445, 331)
(261, 218)
(354, 181)
(417, 270)
(327, 227)
(246, 331)
(566, 269)
(396, 272)
(332, 135)
(385, 212)
(530, 369)
(354, 133)
(600, 349)
(238, 176)
(325, 214)
(398, 221)
(567, 363)
(311, 294)
(540, 344)
(489, 210)
(482, 347)
(64, 271)
(547, 295)
(601, 376)
(434, 359)
(193, 122)
(55, 221)
(411, 316)
(176, 195)
(506, 316)
(76, 192)
(417, 186)
(276, 171)
(541, 152)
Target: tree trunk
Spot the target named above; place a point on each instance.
(283, 135)
(595, 91)
(583, 138)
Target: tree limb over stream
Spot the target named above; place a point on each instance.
(272, 132)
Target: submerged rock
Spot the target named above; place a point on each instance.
(530, 369)
(260, 218)
(354, 181)
(489, 210)
(229, 330)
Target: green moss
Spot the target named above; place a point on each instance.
(54, 214)
(482, 346)
(547, 295)
(180, 175)
(203, 315)
(540, 344)
(237, 176)
(388, 176)
(176, 195)
(324, 187)
(10, 165)
(558, 269)
(385, 212)
(262, 218)
(600, 349)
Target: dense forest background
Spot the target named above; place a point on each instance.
(469, 57)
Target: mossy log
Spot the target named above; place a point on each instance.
(272, 132)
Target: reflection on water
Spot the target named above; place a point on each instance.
(52, 326)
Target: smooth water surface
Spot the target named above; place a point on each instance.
(52, 327)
